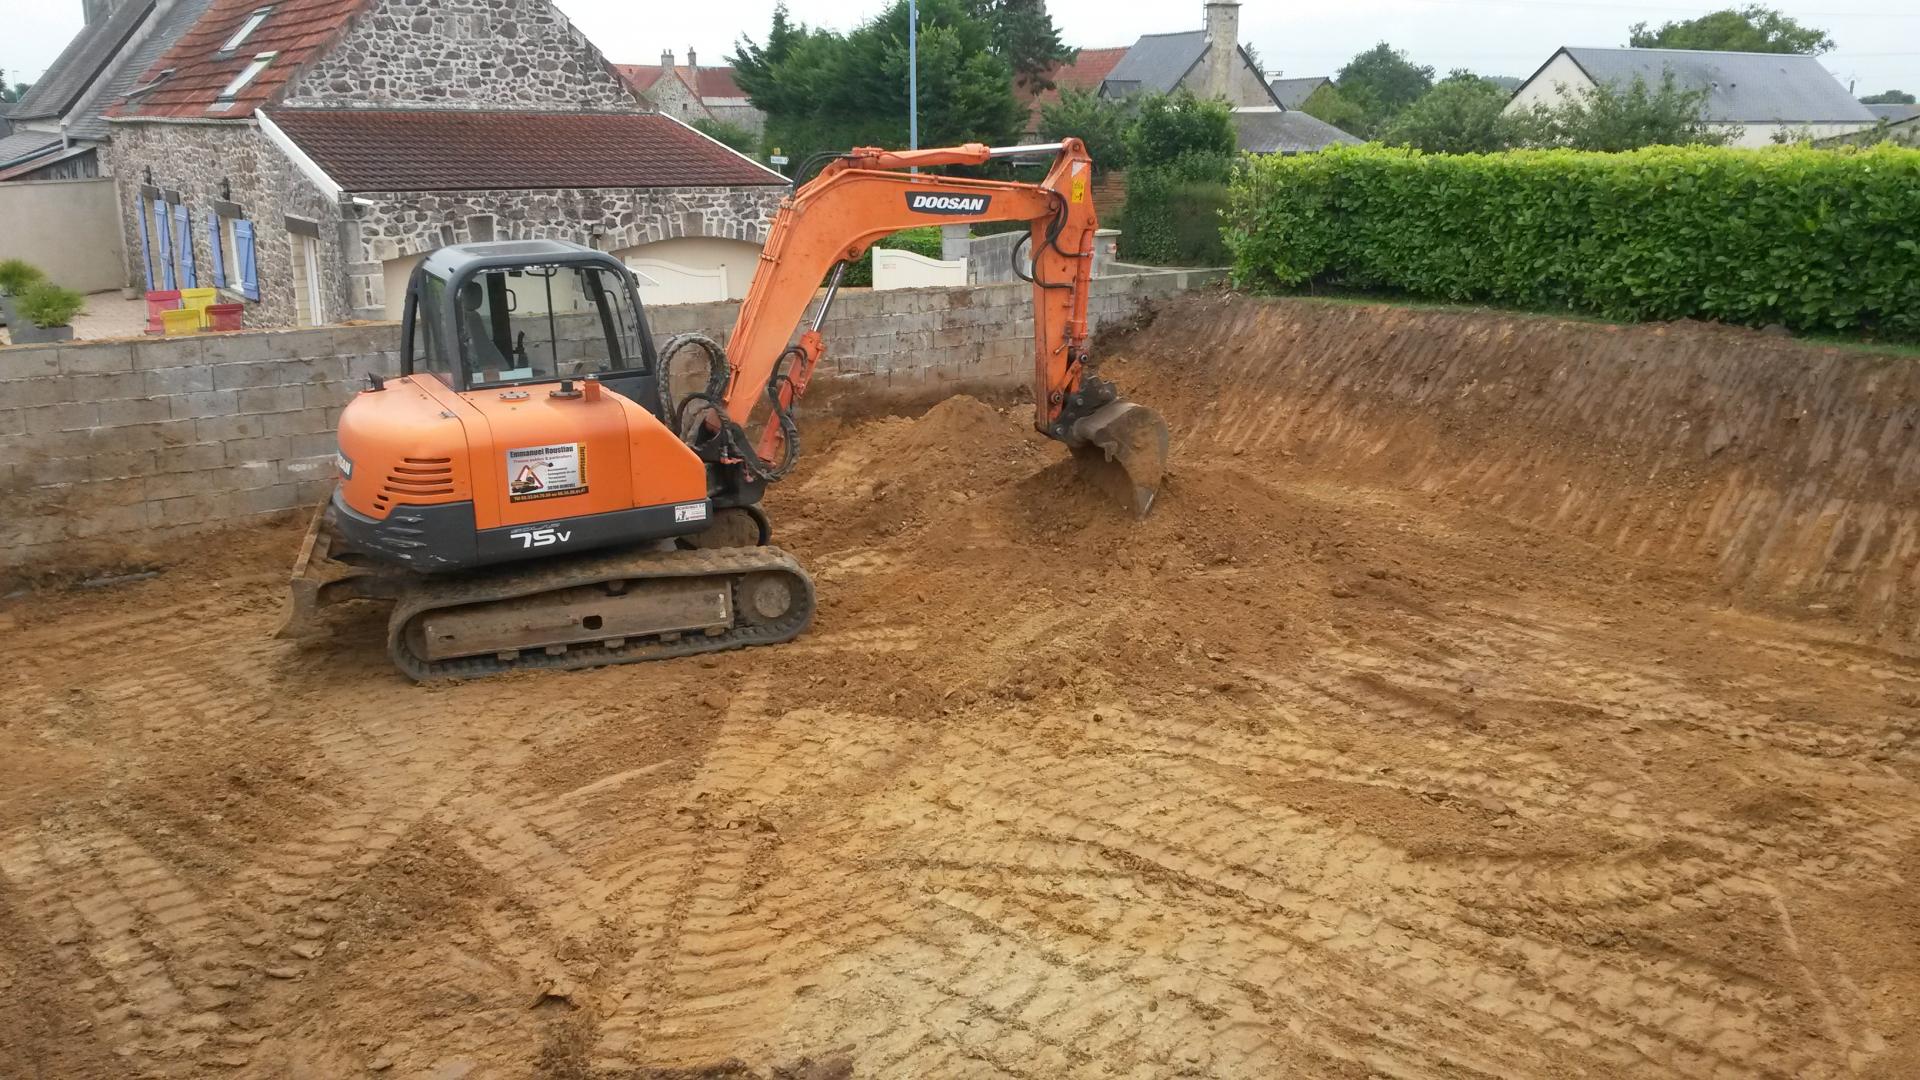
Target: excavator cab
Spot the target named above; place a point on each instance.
(503, 315)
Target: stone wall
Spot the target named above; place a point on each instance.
(108, 446)
(400, 224)
(200, 160)
(670, 94)
(467, 54)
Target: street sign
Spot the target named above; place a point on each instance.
(777, 159)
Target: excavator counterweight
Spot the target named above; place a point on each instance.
(535, 489)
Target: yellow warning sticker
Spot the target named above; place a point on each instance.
(1079, 189)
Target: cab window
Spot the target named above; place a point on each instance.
(429, 352)
(536, 324)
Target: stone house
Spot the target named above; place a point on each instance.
(690, 92)
(1210, 63)
(1752, 96)
(302, 155)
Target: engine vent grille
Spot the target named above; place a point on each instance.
(420, 476)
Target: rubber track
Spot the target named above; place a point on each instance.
(733, 563)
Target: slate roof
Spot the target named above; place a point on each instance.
(81, 62)
(169, 21)
(1743, 88)
(1158, 61)
(26, 168)
(1894, 113)
(460, 150)
(24, 145)
(1269, 130)
(297, 30)
(1293, 93)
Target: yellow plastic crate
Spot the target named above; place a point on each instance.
(197, 301)
(179, 322)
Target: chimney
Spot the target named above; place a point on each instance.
(692, 60)
(92, 11)
(1223, 47)
(666, 58)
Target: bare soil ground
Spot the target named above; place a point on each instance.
(1301, 777)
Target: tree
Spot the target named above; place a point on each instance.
(12, 92)
(1606, 117)
(733, 135)
(1382, 81)
(1171, 127)
(826, 91)
(1748, 29)
(1460, 115)
(1025, 37)
(1329, 105)
(1101, 123)
(1888, 97)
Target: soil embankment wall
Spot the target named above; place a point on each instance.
(105, 446)
(1791, 469)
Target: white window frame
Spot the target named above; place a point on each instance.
(230, 259)
(307, 249)
(246, 29)
(252, 71)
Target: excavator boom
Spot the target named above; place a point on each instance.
(863, 197)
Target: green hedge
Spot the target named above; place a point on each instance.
(1816, 240)
(1172, 213)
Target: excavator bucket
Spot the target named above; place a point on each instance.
(1125, 444)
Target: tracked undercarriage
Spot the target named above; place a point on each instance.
(563, 613)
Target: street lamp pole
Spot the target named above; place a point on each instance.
(913, 75)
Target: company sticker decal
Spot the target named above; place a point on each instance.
(690, 512)
(938, 202)
(546, 472)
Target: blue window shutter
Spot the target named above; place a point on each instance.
(213, 245)
(249, 273)
(165, 245)
(146, 250)
(183, 228)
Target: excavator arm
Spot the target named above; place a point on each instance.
(864, 196)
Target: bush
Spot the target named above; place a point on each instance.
(921, 241)
(735, 137)
(18, 275)
(1172, 216)
(47, 304)
(1815, 240)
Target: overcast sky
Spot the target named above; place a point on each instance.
(1879, 40)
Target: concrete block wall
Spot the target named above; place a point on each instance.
(105, 446)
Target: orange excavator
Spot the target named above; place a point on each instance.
(544, 487)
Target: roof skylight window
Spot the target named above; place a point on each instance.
(246, 29)
(247, 74)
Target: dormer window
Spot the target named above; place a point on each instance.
(247, 74)
(246, 29)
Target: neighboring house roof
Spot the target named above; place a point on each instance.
(717, 82)
(1088, 70)
(1293, 93)
(26, 145)
(706, 82)
(28, 168)
(296, 30)
(1158, 61)
(1273, 130)
(81, 62)
(1743, 88)
(458, 150)
(1892, 113)
(169, 21)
